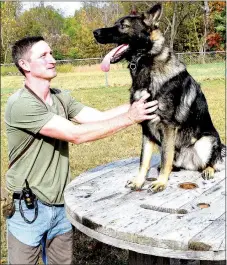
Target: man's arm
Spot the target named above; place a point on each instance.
(65, 130)
(89, 115)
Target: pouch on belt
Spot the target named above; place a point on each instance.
(7, 202)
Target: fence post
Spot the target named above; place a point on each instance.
(106, 78)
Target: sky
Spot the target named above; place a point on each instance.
(68, 8)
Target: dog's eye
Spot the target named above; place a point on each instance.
(124, 26)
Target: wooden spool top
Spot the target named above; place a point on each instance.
(184, 223)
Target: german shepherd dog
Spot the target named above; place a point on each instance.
(185, 132)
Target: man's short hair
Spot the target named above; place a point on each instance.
(22, 47)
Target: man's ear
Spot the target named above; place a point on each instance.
(152, 16)
(24, 65)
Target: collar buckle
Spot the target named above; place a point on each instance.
(132, 66)
(134, 63)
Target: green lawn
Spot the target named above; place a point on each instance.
(93, 77)
(89, 88)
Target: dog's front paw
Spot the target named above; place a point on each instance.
(134, 184)
(158, 185)
(208, 173)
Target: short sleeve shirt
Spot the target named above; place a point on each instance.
(46, 162)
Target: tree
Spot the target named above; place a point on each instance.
(82, 25)
(46, 22)
(10, 30)
(217, 38)
(177, 16)
(41, 21)
(187, 26)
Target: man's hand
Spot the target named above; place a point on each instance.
(141, 110)
(137, 112)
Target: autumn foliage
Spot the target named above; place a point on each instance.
(189, 26)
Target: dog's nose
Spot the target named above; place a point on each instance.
(97, 32)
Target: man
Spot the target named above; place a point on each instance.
(38, 122)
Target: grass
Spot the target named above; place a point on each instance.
(8, 70)
(84, 77)
(89, 88)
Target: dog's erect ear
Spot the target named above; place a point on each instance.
(152, 16)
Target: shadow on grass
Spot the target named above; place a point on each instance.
(89, 251)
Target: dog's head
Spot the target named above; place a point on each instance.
(131, 33)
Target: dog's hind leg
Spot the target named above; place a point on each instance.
(216, 161)
(207, 149)
(145, 158)
(167, 156)
(206, 154)
(221, 162)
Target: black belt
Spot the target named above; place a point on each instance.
(16, 196)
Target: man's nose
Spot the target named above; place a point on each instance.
(51, 59)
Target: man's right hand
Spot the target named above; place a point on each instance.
(62, 129)
(141, 110)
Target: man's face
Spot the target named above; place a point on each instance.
(41, 62)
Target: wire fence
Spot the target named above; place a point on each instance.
(188, 58)
(93, 64)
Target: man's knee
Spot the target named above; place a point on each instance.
(60, 249)
(20, 253)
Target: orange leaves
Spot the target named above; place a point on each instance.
(214, 40)
(218, 6)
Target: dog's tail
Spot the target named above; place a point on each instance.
(220, 164)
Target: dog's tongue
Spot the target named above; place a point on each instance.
(105, 65)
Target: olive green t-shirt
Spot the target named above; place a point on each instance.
(46, 163)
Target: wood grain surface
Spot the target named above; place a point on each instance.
(167, 224)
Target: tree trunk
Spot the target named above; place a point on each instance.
(5, 55)
(206, 27)
(172, 34)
